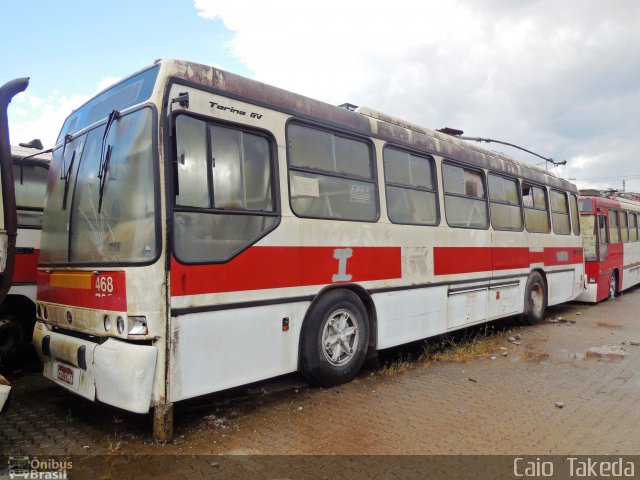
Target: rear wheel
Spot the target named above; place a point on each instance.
(334, 339)
(535, 299)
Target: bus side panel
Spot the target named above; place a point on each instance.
(408, 315)
(631, 274)
(212, 351)
(560, 286)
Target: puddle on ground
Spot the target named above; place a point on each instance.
(610, 326)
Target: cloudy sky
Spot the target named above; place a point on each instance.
(559, 78)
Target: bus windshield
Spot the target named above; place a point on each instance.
(101, 199)
(589, 237)
(129, 92)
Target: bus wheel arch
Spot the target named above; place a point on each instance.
(535, 298)
(335, 335)
(17, 319)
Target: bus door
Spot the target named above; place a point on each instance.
(603, 235)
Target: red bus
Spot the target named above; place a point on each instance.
(611, 246)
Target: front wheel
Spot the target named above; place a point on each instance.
(613, 286)
(535, 299)
(12, 340)
(334, 339)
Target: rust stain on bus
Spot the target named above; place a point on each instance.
(262, 93)
(366, 122)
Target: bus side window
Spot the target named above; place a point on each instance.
(331, 176)
(624, 230)
(603, 238)
(465, 200)
(575, 216)
(560, 213)
(614, 230)
(633, 227)
(410, 187)
(504, 202)
(225, 200)
(536, 209)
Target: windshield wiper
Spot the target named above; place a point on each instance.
(105, 157)
(67, 139)
(66, 178)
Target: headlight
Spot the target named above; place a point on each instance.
(138, 326)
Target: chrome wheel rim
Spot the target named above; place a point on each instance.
(340, 337)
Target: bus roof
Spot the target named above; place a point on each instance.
(363, 120)
(613, 202)
(18, 153)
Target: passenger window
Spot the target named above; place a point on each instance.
(560, 213)
(411, 191)
(575, 215)
(331, 176)
(506, 213)
(614, 236)
(633, 227)
(536, 209)
(465, 200)
(224, 198)
(624, 231)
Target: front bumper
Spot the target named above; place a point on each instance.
(114, 372)
(5, 389)
(589, 295)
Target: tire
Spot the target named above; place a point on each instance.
(535, 299)
(613, 286)
(334, 339)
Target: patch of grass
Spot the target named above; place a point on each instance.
(464, 347)
(115, 444)
(396, 366)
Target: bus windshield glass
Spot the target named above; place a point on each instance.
(589, 237)
(101, 198)
(123, 95)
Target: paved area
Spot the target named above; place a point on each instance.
(501, 390)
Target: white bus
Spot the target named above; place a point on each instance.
(203, 230)
(18, 309)
(8, 214)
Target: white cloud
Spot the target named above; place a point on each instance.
(559, 78)
(32, 117)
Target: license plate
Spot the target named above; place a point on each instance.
(65, 374)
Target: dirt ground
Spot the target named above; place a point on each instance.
(500, 389)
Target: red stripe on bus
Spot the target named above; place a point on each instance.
(101, 291)
(260, 268)
(456, 260)
(25, 267)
